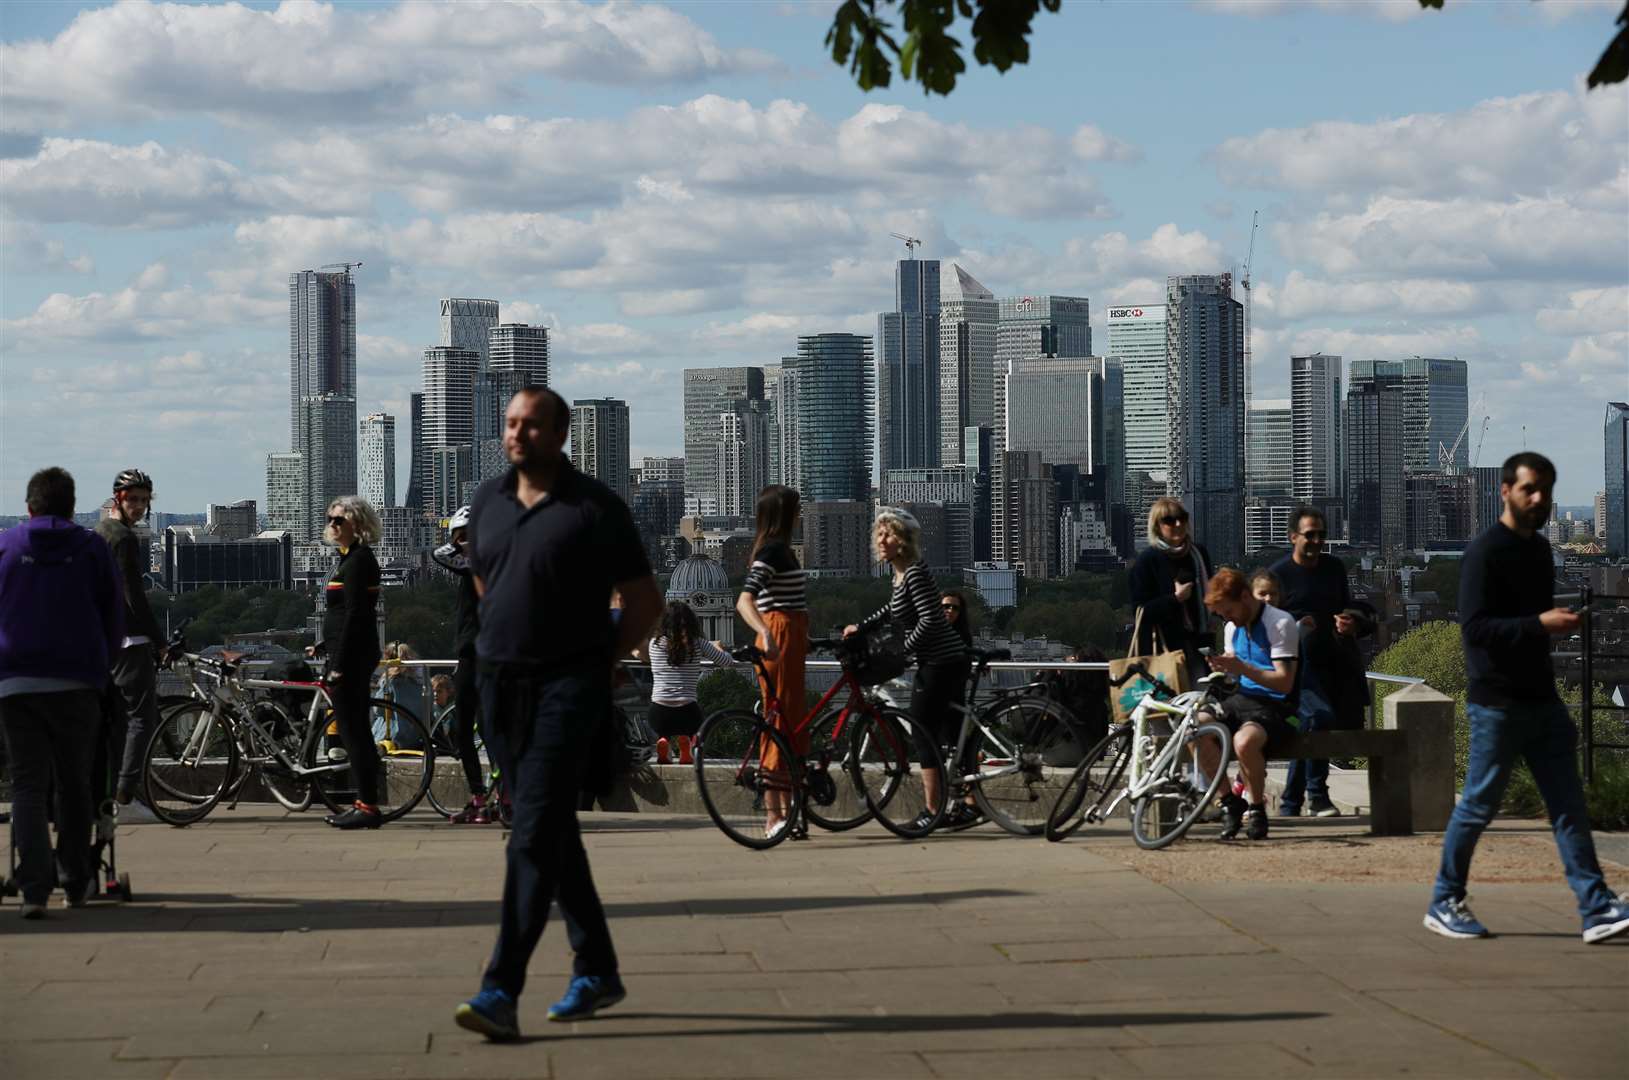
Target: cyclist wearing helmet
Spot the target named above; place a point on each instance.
(135, 667)
(466, 697)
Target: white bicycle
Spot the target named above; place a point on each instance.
(1156, 755)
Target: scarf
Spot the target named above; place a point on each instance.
(1201, 582)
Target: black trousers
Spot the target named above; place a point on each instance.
(669, 721)
(351, 715)
(467, 709)
(51, 735)
(935, 689)
(135, 675)
(541, 729)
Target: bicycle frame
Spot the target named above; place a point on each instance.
(974, 719)
(1145, 771)
(228, 707)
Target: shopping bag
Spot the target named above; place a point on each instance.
(1170, 666)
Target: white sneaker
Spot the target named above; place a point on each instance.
(33, 911)
(136, 812)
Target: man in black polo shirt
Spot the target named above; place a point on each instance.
(1333, 688)
(547, 545)
(1507, 615)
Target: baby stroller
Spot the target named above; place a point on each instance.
(106, 879)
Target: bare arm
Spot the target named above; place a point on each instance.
(641, 607)
(747, 607)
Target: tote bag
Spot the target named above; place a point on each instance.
(1170, 666)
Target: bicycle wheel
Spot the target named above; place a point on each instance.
(1026, 749)
(293, 792)
(834, 802)
(449, 790)
(406, 761)
(1181, 795)
(1096, 776)
(190, 761)
(735, 787)
(884, 751)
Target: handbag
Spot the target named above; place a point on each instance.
(1170, 666)
(874, 656)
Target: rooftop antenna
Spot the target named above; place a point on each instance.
(911, 244)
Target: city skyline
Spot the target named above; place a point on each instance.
(727, 191)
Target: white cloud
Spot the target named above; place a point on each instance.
(1588, 311)
(27, 249)
(1535, 144)
(1300, 297)
(600, 339)
(1389, 10)
(336, 65)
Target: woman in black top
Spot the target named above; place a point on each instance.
(1168, 583)
(350, 641)
(942, 657)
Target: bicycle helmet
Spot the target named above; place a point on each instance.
(459, 520)
(132, 478)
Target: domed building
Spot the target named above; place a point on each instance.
(700, 581)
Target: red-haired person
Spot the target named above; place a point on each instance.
(1262, 644)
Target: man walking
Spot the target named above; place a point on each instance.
(60, 620)
(547, 546)
(1507, 616)
(1333, 688)
(135, 664)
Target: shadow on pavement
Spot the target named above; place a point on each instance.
(757, 1024)
(231, 913)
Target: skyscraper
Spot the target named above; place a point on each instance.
(599, 441)
(742, 455)
(418, 459)
(827, 391)
(1032, 511)
(1204, 345)
(517, 355)
(285, 496)
(1435, 406)
(1315, 417)
(772, 389)
(1029, 326)
(708, 394)
(467, 324)
(968, 316)
(907, 356)
(1376, 507)
(322, 389)
(1617, 478)
(378, 459)
(1137, 340)
(1272, 444)
(450, 374)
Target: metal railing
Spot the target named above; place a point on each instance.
(1586, 679)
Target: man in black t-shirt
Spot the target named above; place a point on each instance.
(547, 545)
(1333, 688)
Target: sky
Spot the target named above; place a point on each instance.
(696, 184)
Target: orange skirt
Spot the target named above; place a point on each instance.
(790, 631)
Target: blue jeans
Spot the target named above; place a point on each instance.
(1308, 778)
(1542, 734)
(541, 729)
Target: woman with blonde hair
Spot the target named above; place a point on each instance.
(774, 604)
(942, 657)
(1168, 583)
(350, 642)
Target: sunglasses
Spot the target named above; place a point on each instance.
(1312, 536)
(339, 520)
(1174, 519)
(951, 607)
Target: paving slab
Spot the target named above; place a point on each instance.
(265, 945)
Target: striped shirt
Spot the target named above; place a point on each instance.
(775, 580)
(675, 684)
(914, 607)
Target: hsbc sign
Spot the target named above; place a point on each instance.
(1136, 312)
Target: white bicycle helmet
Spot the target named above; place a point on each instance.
(459, 520)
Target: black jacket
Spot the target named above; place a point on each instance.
(139, 620)
(467, 607)
(1153, 583)
(350, 631)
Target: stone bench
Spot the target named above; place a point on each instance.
(1411, 760)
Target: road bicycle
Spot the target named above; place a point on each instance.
(1156, 752)
(206, 750)
(448, 794)
(1010, 756)
(858, 757)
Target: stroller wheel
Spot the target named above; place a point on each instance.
(8, 887)
(124, 888)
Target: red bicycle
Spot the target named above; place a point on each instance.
(872, 744)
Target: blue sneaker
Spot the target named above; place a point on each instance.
(1453, 919)
(491, 1013)
(586, 995)
(1609, 923)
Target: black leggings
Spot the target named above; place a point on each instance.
(467, 712)
(351, 715)
(936, 687)
(672, 720)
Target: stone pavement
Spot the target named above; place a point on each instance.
(265, 945)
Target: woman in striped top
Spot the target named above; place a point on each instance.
(773, 603)
(942, 657)
(676, 654)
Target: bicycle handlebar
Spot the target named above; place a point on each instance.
(1139, 669)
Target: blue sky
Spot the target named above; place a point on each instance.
(695, 184)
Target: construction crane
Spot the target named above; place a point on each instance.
(1477, 456)
(1446, 454)
(911, 243)
(1244, 283)
(336, 266)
